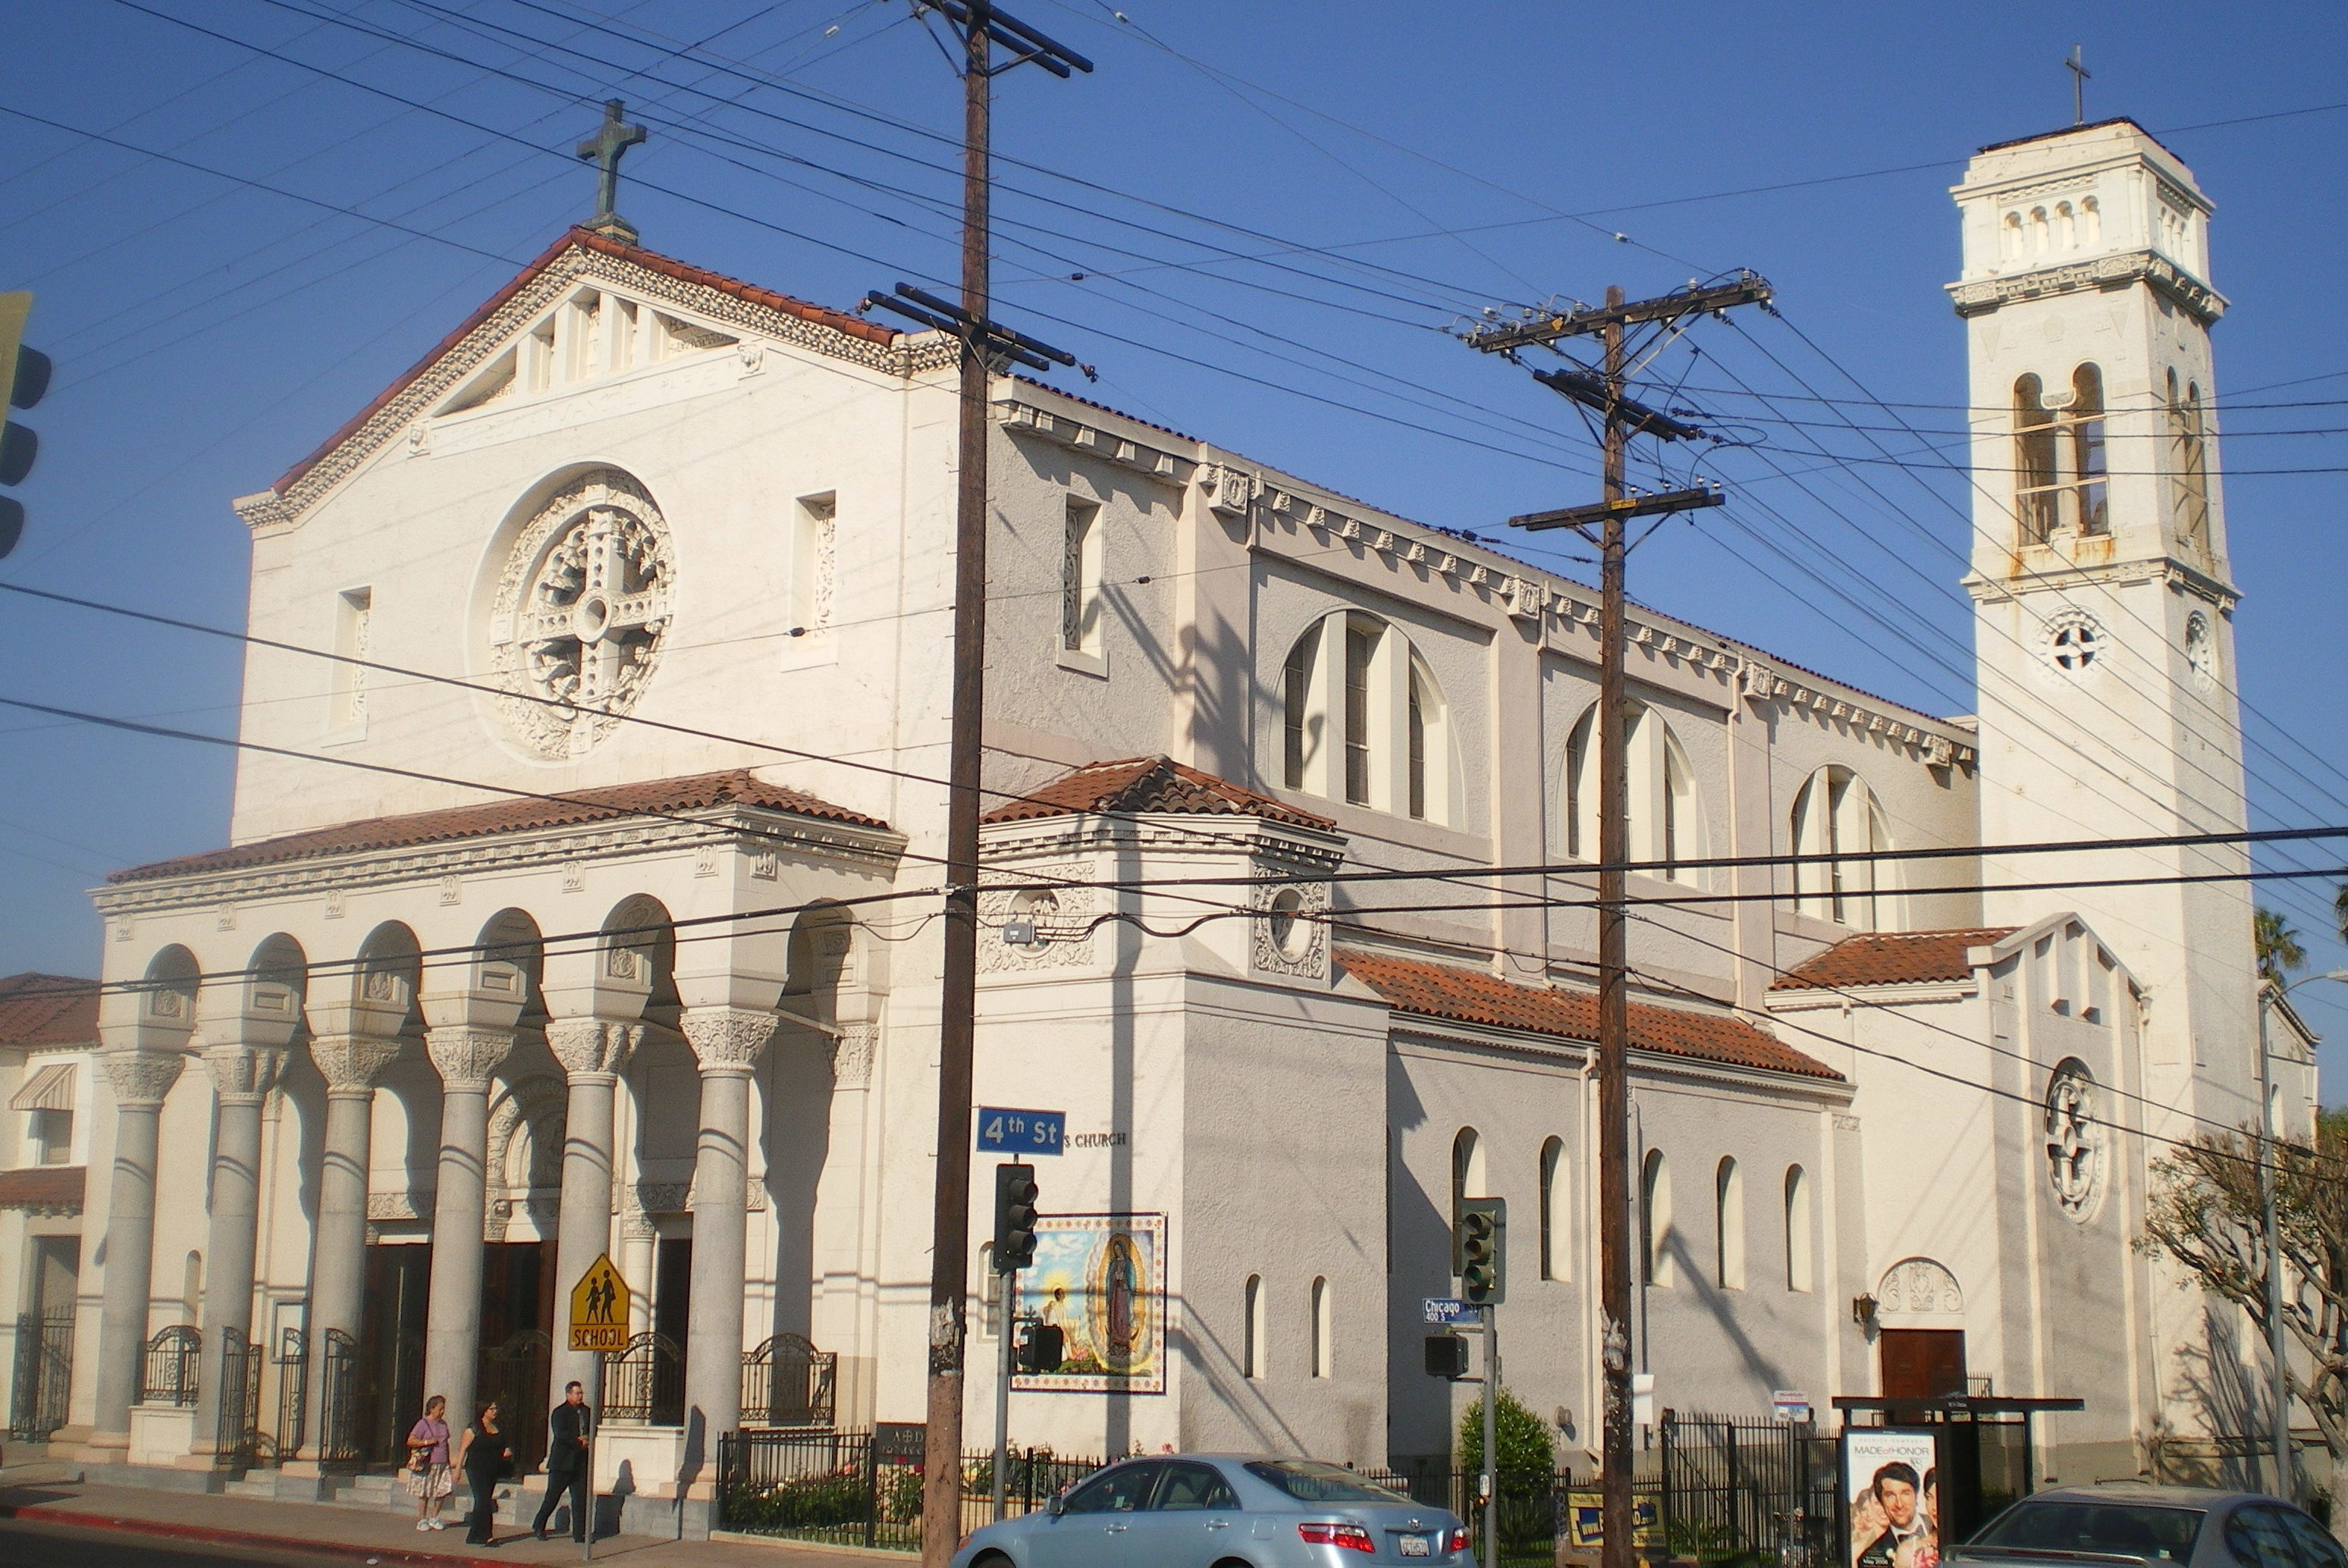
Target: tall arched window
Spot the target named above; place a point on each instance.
(1251, 1349)
(2060, 464)
(1666, 816)
(2033, 461)
(1657, 1241)
(1798, 1276)
(2091, 221)
(1728, 1224)
(1322, 1354)
(2090, 500)
(1363, 720)
(1556, 1231)
(1468, 1173)
(2189, 463)
(1837, 813)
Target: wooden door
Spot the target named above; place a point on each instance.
(1921, 1363)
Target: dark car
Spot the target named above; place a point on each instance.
(1218, 1510)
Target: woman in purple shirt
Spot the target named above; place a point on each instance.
(428, 1475)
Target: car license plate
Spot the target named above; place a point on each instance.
(1415, 1546)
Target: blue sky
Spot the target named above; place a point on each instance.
(1390, 167)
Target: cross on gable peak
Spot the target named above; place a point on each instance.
(604, 149)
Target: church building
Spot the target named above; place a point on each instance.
(581, 897)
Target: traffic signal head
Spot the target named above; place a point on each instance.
(26, 372)
(1446, 1357)
(1479, 1250)
(1015, 1217)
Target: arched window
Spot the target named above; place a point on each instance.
(2066, 232)
(1797, 1231)
(1837, 813)
(1363, 720)
(2091, 221)
(1728, 1224)
(1252, 1348)
(2089, 508)
(2033, 461)
(1657, 1242)
(2009, 238)
(2038, 235)
(1322, 1352)
(2188, 465)
(1666, 816)
(1468, 1173)
(1556, 1237)
(2060, 464)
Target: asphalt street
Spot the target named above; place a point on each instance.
(31, 1545)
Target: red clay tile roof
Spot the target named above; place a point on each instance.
(587, 239)
(700, 792)
(1471, 996)
(47, 1010)
(1150, 783)
(1884, 958)
(51, 1189)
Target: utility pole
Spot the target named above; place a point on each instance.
(980, 27)
(1604, 525)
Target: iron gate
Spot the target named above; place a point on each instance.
(787, 1382)
(44, 1374)
(339, 1412)
(237, 1444)
(293, 1391)
(1734, 1485)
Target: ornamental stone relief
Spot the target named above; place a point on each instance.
(580, 612)
(141, 1077)
(851, 1055)
(1919, 1285)
(242, 1074)
(465, 1057)
(1290, 936)
(1062, 916)
(2074, 1143)
(592, 1045)
(728, 1039)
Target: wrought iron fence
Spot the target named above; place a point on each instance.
(44, 1374)
(787, 1382)
(1734, 1486)
(175, 1360)
(864, 1488)
(340, 1412)
(293, 1390)
(645, 1384)
(237, 1443)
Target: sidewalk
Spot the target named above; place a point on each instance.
(388, 1540)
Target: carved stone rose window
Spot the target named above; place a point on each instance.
(581, 610)
(2074, 1141)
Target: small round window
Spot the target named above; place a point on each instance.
(1034, 908)
(2073, 645)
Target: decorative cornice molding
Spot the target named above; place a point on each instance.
(747, 830)
(1982, 295)
(728, 1039)
(350, 1063)
(1760, 684)
(1151, 462)
(465, 1055)
(140, 1079)
(589, 1047)
(2167, 570)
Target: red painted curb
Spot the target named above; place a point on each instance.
(42, 1513)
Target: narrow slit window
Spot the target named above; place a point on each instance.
(354, 618)
(1296, 707)
(1252, 1350)
(815, 563)
(1361, 644)
(1080, 578)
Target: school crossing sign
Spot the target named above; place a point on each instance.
(600, 1309)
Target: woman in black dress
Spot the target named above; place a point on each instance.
(484, 1455)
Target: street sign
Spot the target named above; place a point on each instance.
(1451, 1311)
(1006, 1132)
(600, 1308)
(1789, 1404)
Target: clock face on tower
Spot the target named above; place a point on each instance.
(581, 614)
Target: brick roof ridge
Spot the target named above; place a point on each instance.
(1892, 958)
(38, 1009)
(1155, 782)
(1433, 990)
(587, 239)
(511, 813)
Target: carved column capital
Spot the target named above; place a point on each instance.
(593, 1045)
(728, 1040)
(243, 1074)
(465, 1055)
(140, 1079)
(350, 1063)
(851, 1055)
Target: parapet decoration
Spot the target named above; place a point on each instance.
(1985, 294)
(1758, 683)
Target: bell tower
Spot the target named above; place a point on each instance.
(2103, 605)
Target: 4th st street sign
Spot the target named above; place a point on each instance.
(600, 1308)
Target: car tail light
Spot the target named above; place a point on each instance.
(1353, 1537)
(1457, 1541)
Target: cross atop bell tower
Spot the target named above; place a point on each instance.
(604, 149)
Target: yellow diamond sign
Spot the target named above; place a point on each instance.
(600, 1308)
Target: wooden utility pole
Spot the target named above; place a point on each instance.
(982, 344)
(1605, 525)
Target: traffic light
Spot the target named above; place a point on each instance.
(1043, 1347)
(28, 374)
(1446, 1357)
(1015, 1217)
(1479, 1250)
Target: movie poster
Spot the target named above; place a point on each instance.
(1100, 1280)
(1888, 1480)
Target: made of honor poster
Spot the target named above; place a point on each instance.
(1893, 1489)
(1100, 1279)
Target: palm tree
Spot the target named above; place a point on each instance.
(2340, 911)
(2278, 944)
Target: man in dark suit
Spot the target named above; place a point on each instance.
(566, 1461)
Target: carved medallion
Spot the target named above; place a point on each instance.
(2074, 1143)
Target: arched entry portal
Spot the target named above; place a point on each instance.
(1920, 1338)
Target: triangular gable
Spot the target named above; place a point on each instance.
(692, 308)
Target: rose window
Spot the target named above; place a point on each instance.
(581, 612)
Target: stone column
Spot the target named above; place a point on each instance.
(241, 1075)
(726, 1041)
(350, 1063)
(592, 1050)
(139, 1078)
(465, 1055)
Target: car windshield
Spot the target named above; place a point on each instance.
(1310, 1481)
(2125, 1529)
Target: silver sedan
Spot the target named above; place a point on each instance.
(1222, 1511)
(2190, 1527)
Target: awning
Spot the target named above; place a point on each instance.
(51, 1089)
